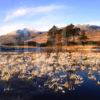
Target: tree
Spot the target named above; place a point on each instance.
(51, 35)
(83, 37)
(65, 34)
(75, 32)
(70, 31)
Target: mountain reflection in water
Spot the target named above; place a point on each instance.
(64, 75)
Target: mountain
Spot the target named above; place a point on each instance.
(89, 27)
(18, 36)
(25, 35)
(40, 38)
(92, 32)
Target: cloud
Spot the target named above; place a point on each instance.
(42, 24)
(12, 27)
(47, 21)
(31, 10)
(94, 22)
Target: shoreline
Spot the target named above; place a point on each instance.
(74, 48)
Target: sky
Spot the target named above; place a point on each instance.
(41, 15)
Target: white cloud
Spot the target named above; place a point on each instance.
(46, 22)
(42, 24)
(32, 10)
(12, 27)
(94, 22)
(38, 26)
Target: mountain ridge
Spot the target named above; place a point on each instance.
(23, 35)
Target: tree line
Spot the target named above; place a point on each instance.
(70, 32)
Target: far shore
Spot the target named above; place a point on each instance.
(72, 48)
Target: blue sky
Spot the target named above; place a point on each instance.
(43, 14)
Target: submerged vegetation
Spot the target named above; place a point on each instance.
(38, 73)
